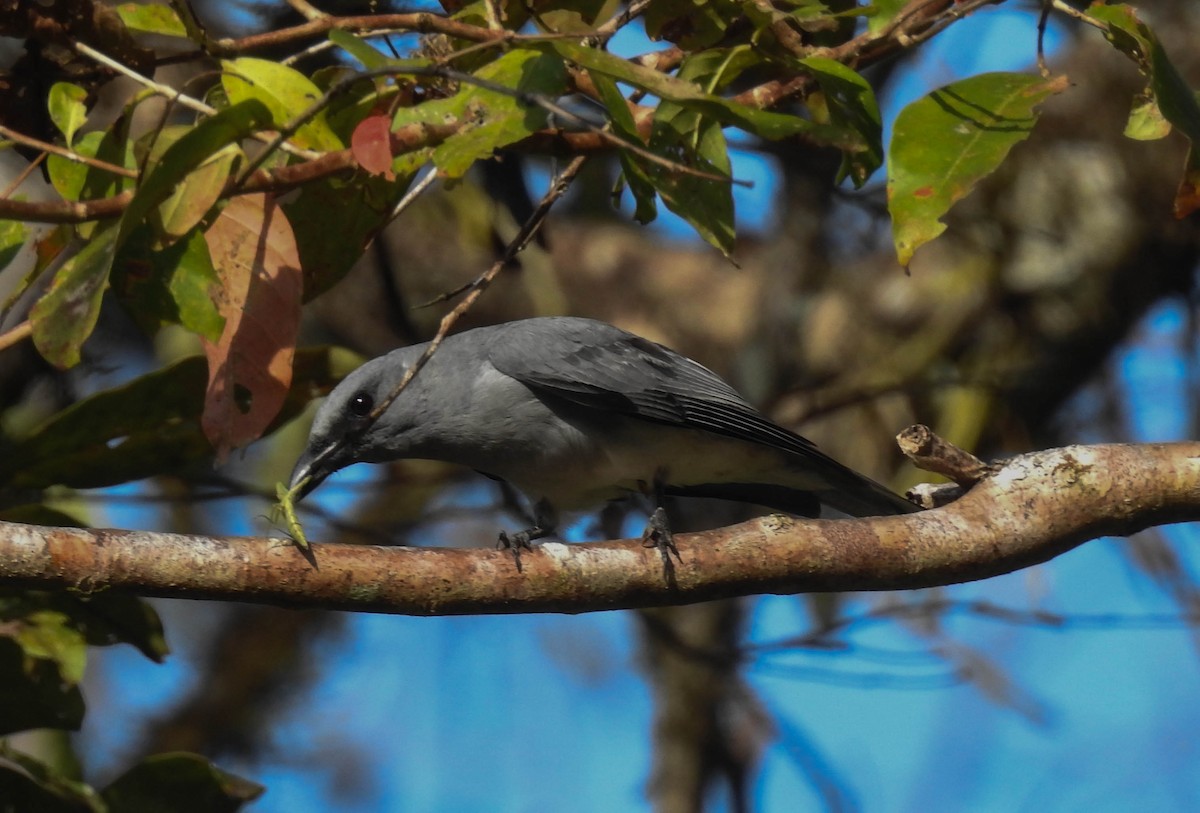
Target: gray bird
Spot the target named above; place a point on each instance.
(574, 412)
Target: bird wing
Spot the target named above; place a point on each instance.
(602, 367)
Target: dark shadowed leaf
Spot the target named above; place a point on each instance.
(851, 104)
(334, 222)
(578, 16)
(149, 426)
(12, 238)
(173, 285)
(181, 783)
(690, 25)
(66, 314)
(36, 695)
(946, 142)
(636, 175)
(27, 784)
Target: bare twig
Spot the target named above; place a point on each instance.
(177, 97)
(21, 177)
(18, 334)
(63, 152)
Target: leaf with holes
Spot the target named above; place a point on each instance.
(946, 142)
(253, 250)
(498, 119)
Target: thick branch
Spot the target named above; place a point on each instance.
(1036, 507)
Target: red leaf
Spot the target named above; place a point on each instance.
(254, 253)
(370, 144)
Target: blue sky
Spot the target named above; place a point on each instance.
(533, 713)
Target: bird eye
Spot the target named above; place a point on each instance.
(361, 404)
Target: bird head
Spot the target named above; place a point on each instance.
(346, 429)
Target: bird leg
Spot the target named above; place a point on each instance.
(545, 520)
(658, 528)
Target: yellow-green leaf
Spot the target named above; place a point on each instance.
(66, 108)
(153, 18)
(286, 92)
(946, 142)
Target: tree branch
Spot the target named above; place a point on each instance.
(1034, 508)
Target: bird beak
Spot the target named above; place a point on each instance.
(311, 467)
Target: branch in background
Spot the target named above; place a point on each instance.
(1034, 508)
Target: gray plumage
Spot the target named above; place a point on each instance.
(574, 412)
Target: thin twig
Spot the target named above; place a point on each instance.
(412, 194)
(18, 334)
(63, 152)
(180, 98)
(23, 175)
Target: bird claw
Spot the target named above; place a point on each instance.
(520, 540)
(658, 535)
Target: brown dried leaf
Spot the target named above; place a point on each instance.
(254, 253)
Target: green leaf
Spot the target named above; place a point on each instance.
(1146, 122)
(1175, 100)
(66, 108)
(173, 285)
(197, 193)
(29, 784)
(763, 123)
(66, 314)
(109, 618)
(38, 514)
(12, 239)
(852, 105)
(366, 53)
(706, 205)
(578, 16)
(690, 24)
(882, 13)
(499, 119)
(76, 181)
(35, 695)
(152, 18)
(636, 175)
(146, 427)
(286, 92)
(946, 142)
(46, 249)
(334, 222)
(181, 783)
(191, 150)
(49, 635)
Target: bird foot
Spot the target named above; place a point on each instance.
(519, 541)
(658, 535)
